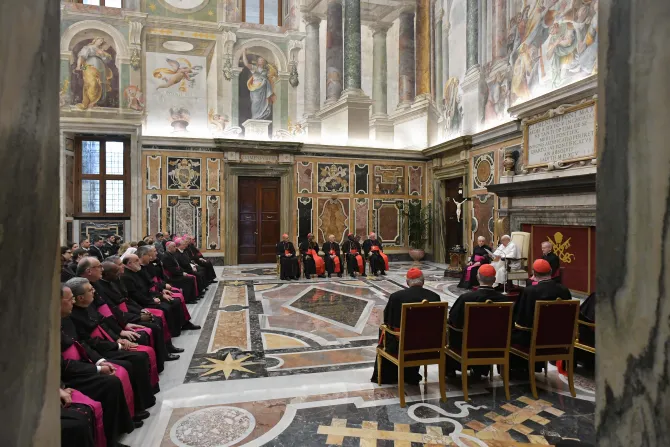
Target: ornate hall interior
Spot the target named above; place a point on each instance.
(431, 127)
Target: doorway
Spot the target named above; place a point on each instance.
(258, 201)
(453, 228)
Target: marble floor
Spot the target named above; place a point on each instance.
(289, 363)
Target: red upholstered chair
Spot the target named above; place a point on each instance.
(486, 337)
(553, 337)
(422, 341)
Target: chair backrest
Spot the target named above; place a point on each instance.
(423, 326)
(487, 325)
(555, 323)
(522, 240)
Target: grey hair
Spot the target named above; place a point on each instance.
(77, 285)
(481, 237)
(542, 276)
(113, 258)
(84, 264)
(548, 243)
(486, 280)
(143, 250)
(415, 281)
(505, 236)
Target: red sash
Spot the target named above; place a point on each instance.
(147, 331)
(195, 282)
(78, 398)
(180, 298)
(287, 253)
(318, 261)
(383, 255)
(359, 260)
(336, 261)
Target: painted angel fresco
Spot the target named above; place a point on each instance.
(181, 72)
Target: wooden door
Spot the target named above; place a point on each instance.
(454, 229)
(258, 224)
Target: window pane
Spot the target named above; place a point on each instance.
(271, 12)
(90, 196)
(113, 3)
(114, 196)
(90, 157)
(92, 2)
(114, 158)
(252, 11)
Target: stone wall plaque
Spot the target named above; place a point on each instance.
(259, 159)
(565, 134)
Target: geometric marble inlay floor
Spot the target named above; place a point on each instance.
(289, 363)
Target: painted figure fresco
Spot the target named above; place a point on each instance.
(95, 77)
(134, 99)
(181, 71)
(452, 109)
(260, 85)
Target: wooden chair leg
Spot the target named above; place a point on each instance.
(546, 368)
(531, 373)
(491, 374)
(505, 373)
(441, 367)
(401, 385)
(379, 369)
(464, 380)
(571, 378)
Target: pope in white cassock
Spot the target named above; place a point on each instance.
(507, 249)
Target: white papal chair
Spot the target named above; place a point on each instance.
(522, 240)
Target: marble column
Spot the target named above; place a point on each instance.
(499, 29)
(352, 46)
(633, 240)
(379, 69)
(422, 47)
(29, 165)
(406, 59)
(334, 51)
(472, 34)
(312, 65)
(439, 77)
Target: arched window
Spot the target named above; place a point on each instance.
(266, 12)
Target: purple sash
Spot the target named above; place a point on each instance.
(123, 307)
(153, 367)
(468, 271)
(159, 313)
(78, 398)
(180, 297)
(148, 331)
(105, 311)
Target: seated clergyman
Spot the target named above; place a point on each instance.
(288, 262)
(507, 249)
(352, 250)
(313, 263)
(480, 256)
(331, 251)
(374, 251)
(415, 293)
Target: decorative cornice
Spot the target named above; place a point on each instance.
(550, 186)
(177, 142)
(503, 132)
(576, 91)
(361, 152)
(258, 146)
(311, 19)
(380, 27)
(462, 143)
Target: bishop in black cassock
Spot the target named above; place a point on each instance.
(415, 293)
(288, 262)
(479, 257)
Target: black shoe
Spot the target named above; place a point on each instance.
(190, 327)
(353, 276)
(171, 357)
(118, 444)
(138, 424)
(192, 302)
(339, 275)
(308, 277)
(141, 415)
(376, 274)
(329, 275)
(172, 349)
(383, 273)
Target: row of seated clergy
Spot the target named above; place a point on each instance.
(114, 347)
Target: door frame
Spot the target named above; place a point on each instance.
(232, 172)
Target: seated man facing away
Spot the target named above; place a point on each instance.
(486, 276)
(331, 251)
(415, 293)
(374, 251)
(507, 249)
(524, 308)
(288, 262)
(587, 334)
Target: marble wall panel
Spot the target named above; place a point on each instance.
(154, 171)
(214, 174)
(361, 212)
(213, 225)
(389, 179)
(184, 216)
(362, 174)
(154, 213)
(333, 177)
(333, 219)
(483, 170)
(93, 228)
(184, 173)
(304, 173)
(305, 205)
(387, 221)
(415, 178)
(69, 185)
(483, 221)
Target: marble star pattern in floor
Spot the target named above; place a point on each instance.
(289, 364)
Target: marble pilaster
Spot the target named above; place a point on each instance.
(381, 128)
(633, 240)
(472, 34)
(334, 50)
(499, 43)
(352, 46)
(406, 59)
(29, 163)
(439, 77)
(312, 65)
(446, 28)
(423, 48)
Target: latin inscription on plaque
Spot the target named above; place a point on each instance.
(262, 159)
(566, 137)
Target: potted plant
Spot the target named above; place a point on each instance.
(418, 220)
